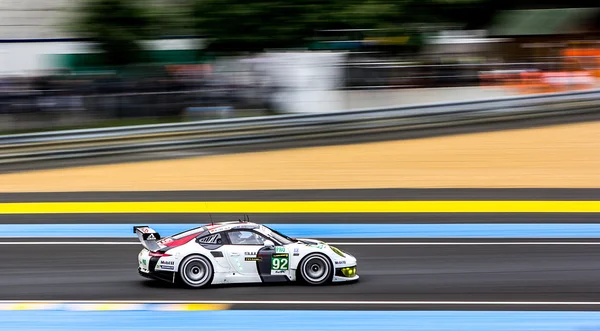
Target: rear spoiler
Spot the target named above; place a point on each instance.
(147, 237)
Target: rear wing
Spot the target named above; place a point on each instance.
(147, 237)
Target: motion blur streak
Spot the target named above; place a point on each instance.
(304, 207)
(303, 320)
(497, 230)
(110, 306)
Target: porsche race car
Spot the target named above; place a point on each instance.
(240, 252)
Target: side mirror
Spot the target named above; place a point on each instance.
(269, 244)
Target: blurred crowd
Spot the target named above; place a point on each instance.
(156, 94)
(170, 90)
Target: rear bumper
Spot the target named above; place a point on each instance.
(158, 275)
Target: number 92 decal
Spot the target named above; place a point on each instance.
(280, 263)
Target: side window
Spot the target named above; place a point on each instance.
(242, 237)
(211, 239)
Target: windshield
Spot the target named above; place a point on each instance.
(285, 240)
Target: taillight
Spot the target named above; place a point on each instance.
(158, 254)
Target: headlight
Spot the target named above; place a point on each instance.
(337, 251)
(349, 272)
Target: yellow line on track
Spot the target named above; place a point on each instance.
(304, 207)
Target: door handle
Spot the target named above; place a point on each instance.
(235, 254)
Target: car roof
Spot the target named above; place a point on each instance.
(229, 225)
(219, 227)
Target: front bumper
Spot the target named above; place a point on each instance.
(345, 274)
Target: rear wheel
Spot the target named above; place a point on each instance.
(316, 269)
(196, 271)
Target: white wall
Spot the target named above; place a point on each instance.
(27, 58)
(308, 80)
(30, 57)
(20, 19)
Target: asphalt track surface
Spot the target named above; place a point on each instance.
(548, 273)
(388, 273)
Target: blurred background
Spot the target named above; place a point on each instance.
(70, 64)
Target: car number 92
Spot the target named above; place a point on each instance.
(280, 262)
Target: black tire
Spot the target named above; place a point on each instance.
(315, 269)
(196, 271)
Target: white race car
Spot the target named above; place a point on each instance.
(240, 252)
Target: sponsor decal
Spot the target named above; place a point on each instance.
(277, 272)
(220, 229)
(340, 262)
(318, 245)
(245, 226)
(280, 262)
(151, 237)
(249, 253)
(144, 262)
(296, 251)
(257, 259)
(279, 249)
(167, 262)
(165, 267)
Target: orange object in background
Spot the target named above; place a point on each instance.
(579, 70)
(585, 57)
(555, 81)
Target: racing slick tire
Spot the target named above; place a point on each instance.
(196, 271)
(315, 269)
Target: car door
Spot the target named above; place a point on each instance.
(269, 262)
(242, 253)
(274, 265)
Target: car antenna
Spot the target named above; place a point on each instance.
(211, 220)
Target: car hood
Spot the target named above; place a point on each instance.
(311, 241)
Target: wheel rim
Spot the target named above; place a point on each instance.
(316, 269)
(196, 271)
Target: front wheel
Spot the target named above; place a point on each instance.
(316, 269)
(196, 271)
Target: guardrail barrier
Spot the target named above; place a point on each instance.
(281, 128)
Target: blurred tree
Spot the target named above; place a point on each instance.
(117, 26)
(174, 17)
(255, 25)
